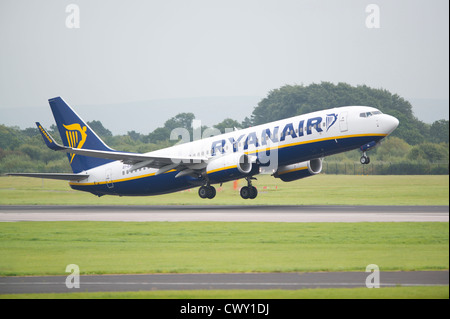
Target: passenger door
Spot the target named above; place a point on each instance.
(343, 122)
(109, 182)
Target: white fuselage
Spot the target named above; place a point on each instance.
(272, 145)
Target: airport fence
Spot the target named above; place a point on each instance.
(381, 168)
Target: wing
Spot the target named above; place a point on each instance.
(64, 177)
(135, 159)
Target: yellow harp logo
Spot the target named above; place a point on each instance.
(76, 136)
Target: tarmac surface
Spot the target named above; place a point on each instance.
(227, 213)
(109, 283)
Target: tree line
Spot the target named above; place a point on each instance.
(413, 142)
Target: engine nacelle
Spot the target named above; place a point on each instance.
(230, 167)
(289, 173)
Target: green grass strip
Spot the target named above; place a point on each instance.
(46, 248)
(316, 190)
(435, 292)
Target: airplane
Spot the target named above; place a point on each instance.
(290, 149)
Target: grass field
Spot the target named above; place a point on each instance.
(316, 190)
(46, 248)
(439, 292)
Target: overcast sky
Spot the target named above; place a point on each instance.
(128, 51)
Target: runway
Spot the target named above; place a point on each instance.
(147, 282)
(227, 213)
(107, 283)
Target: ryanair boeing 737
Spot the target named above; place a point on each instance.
(289, 149)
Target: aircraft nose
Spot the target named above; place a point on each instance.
(390, 123)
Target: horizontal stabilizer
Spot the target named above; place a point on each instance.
(64, 177)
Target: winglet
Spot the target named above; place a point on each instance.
(48, 139)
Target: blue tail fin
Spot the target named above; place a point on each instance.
(76, 133)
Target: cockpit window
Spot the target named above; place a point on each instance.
(369, 114)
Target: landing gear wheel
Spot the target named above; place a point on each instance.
(249, 192)
(203, 192)
(364, 160)
(212, 192)
(253, 192)
(207, 192)
(245, 192)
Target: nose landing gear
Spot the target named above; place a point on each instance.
(364, 159)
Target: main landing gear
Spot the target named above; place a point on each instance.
(207, 191)
(249, 191)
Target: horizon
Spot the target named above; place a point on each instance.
(90, 113)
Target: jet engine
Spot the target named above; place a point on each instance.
(230, 167)
(289, 173)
